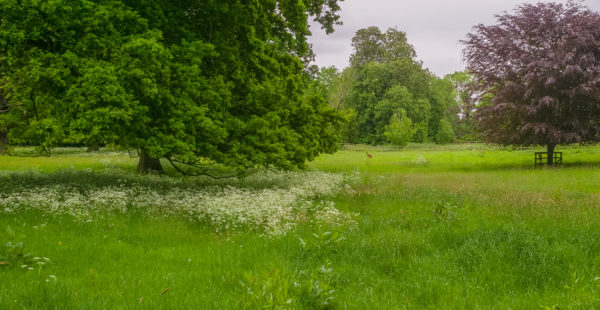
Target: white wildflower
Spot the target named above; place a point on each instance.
(270, 201)
(420, 161)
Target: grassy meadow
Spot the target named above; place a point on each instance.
(425, 227)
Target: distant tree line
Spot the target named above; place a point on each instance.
(386, 96)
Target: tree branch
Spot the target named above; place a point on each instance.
(204, 171)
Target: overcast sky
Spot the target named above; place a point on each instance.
(433, 27)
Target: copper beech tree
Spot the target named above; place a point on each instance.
(540, 66)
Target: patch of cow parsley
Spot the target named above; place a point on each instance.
(270, 201)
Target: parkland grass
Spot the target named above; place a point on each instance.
(425, 227)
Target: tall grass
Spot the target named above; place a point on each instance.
(433, 227)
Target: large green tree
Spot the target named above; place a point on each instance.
(372, 45)
(387, 80)
(195, 82)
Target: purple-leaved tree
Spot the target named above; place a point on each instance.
(540, 66)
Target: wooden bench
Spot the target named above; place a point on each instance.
(541, 158)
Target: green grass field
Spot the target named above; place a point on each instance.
(426, 227)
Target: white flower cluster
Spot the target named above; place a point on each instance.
(269, 201)
(420, 161)
(327, 213)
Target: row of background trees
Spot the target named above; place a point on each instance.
(386, 96)
(534, 80)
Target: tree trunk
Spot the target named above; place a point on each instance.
(148, 164)
(550, 154)
(3, 141)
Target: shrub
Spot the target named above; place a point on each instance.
(445, 134)
(400, 130)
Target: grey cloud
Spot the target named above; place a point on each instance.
(434, 27)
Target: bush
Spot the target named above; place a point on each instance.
(421, 131)
(445, 134)
(400, 130)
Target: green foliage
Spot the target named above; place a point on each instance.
(397, 98)
(316, 290)
(381, 89)
(467, 131)
(400, 130)
(340, 89)
(465, 126)
(309, 288)
(371, 45)
(385, 77)
(445, 211)
(349, 131)
(12, 253)
(306, 289)
(321, 243)
(187, 80)
(421, 132)
(443, 106)
(266, 291)
(445, 134)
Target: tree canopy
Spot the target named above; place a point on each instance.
(467, 102)
(387, 90)
(540, 65)
(195, 82)
(372, 45)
